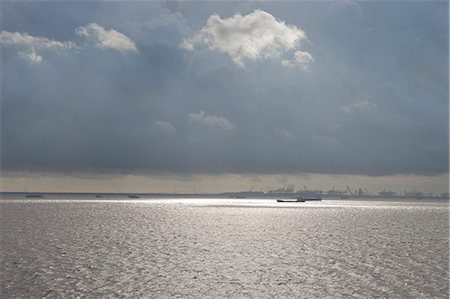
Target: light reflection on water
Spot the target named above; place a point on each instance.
(209, 247)
(261, 202)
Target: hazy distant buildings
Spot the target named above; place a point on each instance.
(289, 191)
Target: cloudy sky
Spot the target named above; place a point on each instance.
(224, 95)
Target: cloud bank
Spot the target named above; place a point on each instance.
(373, 101)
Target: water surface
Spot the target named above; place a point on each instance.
(204, 248)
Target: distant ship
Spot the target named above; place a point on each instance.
(133, 196)
(299, 199)
(34, 196)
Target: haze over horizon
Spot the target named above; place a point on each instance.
(107, 96)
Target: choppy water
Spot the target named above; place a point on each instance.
(202, 248)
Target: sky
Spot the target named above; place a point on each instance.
(221, 96)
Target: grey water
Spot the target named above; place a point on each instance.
(223, 248)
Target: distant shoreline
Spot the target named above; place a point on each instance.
(226, 195)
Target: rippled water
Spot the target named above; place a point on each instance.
(202, 248)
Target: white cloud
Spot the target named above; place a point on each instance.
(363, 105)
(165, 127)
(254, 36)
(187, 45)
(31, 56)
(33, 42)
(211, 120)
(103, 38)
(30, 46)
(301, 59)
(285, 134)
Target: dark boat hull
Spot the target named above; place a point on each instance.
(290, 200)
(34, 196)
(299, 199)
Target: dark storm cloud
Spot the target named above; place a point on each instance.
(373, 101)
